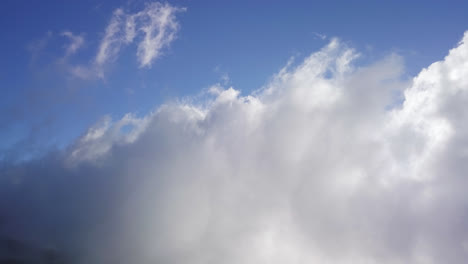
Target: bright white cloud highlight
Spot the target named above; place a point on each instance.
(322, 165)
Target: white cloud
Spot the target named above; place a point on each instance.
(152, 29)
(76, 41)
(319, 35)
(112, 41)
(159, 26)
(155, 27)
(312, 168)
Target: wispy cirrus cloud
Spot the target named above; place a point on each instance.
(113, 39)
(76, 42)
(153, 28)
(159, 27)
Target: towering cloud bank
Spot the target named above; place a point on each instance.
(322, 165)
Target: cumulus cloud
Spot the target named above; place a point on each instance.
(321, 165)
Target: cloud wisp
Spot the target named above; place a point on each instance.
(154, 28)
(322, 165)
(76, 42)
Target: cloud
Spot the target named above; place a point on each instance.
(321, 165)
(76, 42)
(319, 35)
(154, 27)
(159, 27)
(111, 43)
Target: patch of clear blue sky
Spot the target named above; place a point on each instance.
(42, 106)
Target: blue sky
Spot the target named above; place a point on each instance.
(246, 41)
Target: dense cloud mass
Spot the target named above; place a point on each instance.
(325, 164)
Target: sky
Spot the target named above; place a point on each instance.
(241, 43)
(234, 132)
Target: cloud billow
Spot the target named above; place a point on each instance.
(321, 165)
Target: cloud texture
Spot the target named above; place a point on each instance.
(322, 165)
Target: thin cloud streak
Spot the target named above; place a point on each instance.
(76, 42)
(155, 27)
